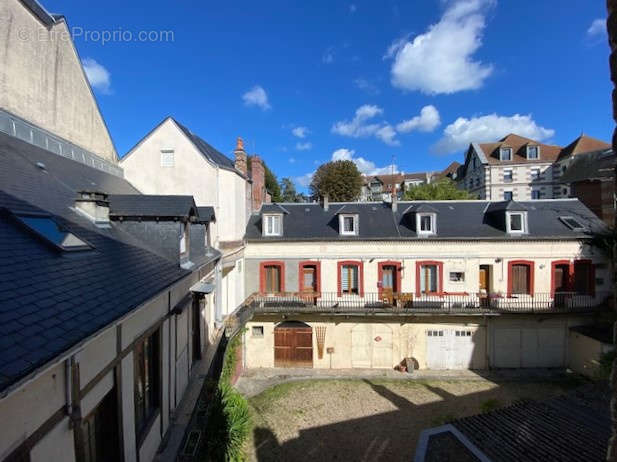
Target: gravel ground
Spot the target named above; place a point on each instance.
(370, 419)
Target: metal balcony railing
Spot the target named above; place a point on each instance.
(408, 303)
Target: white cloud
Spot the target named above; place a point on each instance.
(441, 59)
(304, 180)
(304, 146)
(364, 166)
(597, 28)
(300, 132)
(488, 128)
(366, 86)
(359, 127)
(98, 76)
(257, 96)
(427, 121)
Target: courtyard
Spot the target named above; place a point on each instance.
(375, 418)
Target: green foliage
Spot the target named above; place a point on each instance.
(272, 185)
(288, 191)
(605, 364)
(340, 180)
(444, 189)
(490, 405)
(230, 360)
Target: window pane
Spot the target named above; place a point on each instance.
(348, 224)
(516, 222)
(428, 278)
(507, 195)
(425, 223)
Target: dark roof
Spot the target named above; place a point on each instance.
(598, 165)
(50, 299)
(455, 220)
(511, 206)
(206, 214)
(424, 207)
(571, 427)
(151, 206)
(208, 151)
(41, 13)
(583, 144)
(602, 333)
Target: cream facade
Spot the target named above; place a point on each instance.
(43, 82)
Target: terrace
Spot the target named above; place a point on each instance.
(409, 304)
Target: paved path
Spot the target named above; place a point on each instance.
(254, 381)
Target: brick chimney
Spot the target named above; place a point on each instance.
(240, 154)
(258, 175)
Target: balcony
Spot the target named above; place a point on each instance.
(410, 304)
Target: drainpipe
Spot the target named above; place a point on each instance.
(68, 385)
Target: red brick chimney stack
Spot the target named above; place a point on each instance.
(258, 174)
(240, 154)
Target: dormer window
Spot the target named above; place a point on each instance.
(426, 223)
(505, 153)
(533, 152)
(272, 225)
(572, 223)
(348, 225)
(516, 222)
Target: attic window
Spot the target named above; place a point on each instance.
(516, 222)
(572, 223)
(348, 225)
(505, 153)
(533, 152)
(167, 158)
(47, 228)
(272, 225)
(426, 223)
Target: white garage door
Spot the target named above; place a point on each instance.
(529, 347)
(449, 348)
(371, 346)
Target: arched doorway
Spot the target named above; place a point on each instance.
(293, 344)
(371, 346)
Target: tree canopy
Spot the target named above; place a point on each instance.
(288, 191)
(340, 180)
(444, 189)
(272, 185)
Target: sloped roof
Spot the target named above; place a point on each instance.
(449, 170)
(548, 153)
(51, 300)
(583, 144)
(159, 206)
(206, 214)
(455, 220)
(210, 153)
(598, 165)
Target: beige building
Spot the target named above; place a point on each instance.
(449, 285)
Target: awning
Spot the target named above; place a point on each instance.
(202, 288)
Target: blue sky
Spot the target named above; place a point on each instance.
(378, 82)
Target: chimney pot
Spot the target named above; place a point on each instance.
(94, 206)
(240, 163)
(326, 202)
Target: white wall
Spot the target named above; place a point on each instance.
(42, 81)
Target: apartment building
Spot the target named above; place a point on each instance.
(443, 284)
(519, 168)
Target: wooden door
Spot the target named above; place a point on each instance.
(361, 346)
(561, 276)
(273, 279)
(520, 279)
(381, 340)
(388, 281)
(309, 279)
(293, 346)
(484, 287)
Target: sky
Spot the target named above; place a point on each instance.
(391, 85)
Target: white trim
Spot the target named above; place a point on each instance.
(501, 151)
(523, 229)
(537, 151)
(341, 224)
(274, 231)
(433, 221)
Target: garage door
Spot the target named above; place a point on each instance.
(293, 345)
(449, 348)
(371, 346)
(529, 347)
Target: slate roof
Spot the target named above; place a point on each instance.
(598, 165)
(583, 144)
(455, 220)
(206, 214)
(152, 206)
(571, 427)
(207, 151)
(50, 300)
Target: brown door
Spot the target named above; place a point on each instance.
(520, 279)
(273, 279)
(293, 345)
(309, 279)
(388, 282)
(560, 276)
(485, 284)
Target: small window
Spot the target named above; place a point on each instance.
(272, 225)
(457, 276)
(535, 173)
(146, 381)
(536, 194)
(533, 152)
(349, 279)
(572, 223)
(184, 239)
(47, 228)
(516, 222)
(426, 223)
(348, 225)
(505, 154)
(507, 195)
(167, 158)
(257, 331)
(507, 176)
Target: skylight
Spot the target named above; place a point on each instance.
(572, 223)
(47, 228)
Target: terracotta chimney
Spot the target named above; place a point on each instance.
(258, 175)
(240, 154)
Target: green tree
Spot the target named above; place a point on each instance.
(444, 189)
(340, 180)
(288, 191)
(272, 185)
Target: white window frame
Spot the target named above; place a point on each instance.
(533, 174)
(433, 218)
(523, 229)
(341, 224)
(504, 149)
(508, 180)
(265, 221)
(166, 155)
(537, 152)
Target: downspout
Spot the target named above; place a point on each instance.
(68, 384)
